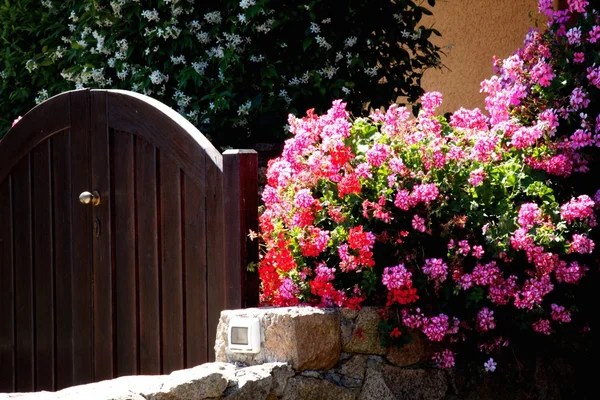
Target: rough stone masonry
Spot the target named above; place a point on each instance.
(306, 353)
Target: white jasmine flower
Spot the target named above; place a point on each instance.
(244, 109)
(151, 15)
(244, 4)
(351, 41)
(213, 17)
(372, 71)
(199, 67)
(157, 77)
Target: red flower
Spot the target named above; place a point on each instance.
(405, 295)
(353, 303)
(348, 185)
(357, 239)
(395, 333)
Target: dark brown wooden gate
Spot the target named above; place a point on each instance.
(134, 284)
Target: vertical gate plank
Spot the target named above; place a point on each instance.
(149, 289)
(195, 267)
(240, 188)
(249, 219)
(124, 252)
(43, 266)
(61, 182)
(102, 255)
(24, 307)
(7, 316)
(172, 280)
(81, 240)
(215, 250)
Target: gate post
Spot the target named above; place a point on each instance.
(240, 189)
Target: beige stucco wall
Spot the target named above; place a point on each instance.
(476, 30)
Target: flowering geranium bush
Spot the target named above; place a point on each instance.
(464, 229)
(234, 68)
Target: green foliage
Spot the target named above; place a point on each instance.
(234, 68)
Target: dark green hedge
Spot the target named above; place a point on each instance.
(234, 68)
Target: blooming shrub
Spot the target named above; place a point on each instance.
(464, 229)
(234, 68)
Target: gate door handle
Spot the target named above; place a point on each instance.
(92, 198)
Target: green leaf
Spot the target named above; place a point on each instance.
(307, 42)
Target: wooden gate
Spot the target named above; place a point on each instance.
(133, 281)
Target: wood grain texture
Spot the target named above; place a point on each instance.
(102, 252)
(148, 262)
(81, 242)
(40, 123)
(194, 217)
(171, 272)
(24, 305)
(63, 232)
(215, 250)
(7, 290)
(135, 284)
(124, 252)
(43, 272)
(240, 181)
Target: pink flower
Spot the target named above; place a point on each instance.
(477, 177)
(581, 244)
(574, 36)
(418, 223)
(533, 292)
(580, 208)
(594, 34)
(469, 119)
(485, 320)
(16, 120)
(425, 193)
(435, 328)
(593, 76)
(445, 359)
(403, 200)
(546, 7)
(526, 137)
(463, 247)
(304, 199)
(560, 314)
(288, 289)
(490, 365)
(431, 101)
(569, 274)
(577, 5)
(413, 320)
(578, 99)
(396, 277)
(486, 274)
(378, 154)
(327, 274)
(502, 291)
(478, 251)
(542, 73)
(436, 269)
(542, 326)
(529, 215)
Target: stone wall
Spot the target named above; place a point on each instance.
(310, 353)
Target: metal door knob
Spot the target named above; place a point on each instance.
(90, 198)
